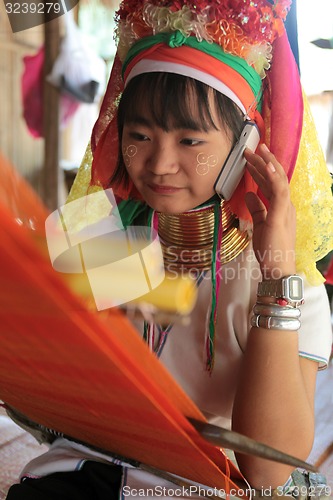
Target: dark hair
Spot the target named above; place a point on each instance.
(163, 96)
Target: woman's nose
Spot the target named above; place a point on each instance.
(163, 161)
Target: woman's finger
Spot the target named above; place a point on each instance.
(256, 208)
(267, 172)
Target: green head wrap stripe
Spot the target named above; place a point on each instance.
(177, 39)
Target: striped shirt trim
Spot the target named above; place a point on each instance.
(323, 362)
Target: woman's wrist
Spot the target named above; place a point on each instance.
(275, 273)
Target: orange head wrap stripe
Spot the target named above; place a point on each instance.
(188, 57)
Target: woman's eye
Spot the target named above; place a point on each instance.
(191, 142)
(136, 136)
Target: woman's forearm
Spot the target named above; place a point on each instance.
(274, 403)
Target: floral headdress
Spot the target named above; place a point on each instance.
(244, 28)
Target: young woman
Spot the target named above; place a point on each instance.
(191, 80)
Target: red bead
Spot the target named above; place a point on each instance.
(282, 302)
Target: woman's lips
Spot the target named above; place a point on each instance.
(159, 189)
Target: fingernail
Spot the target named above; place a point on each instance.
(271, 167)
(265, 148)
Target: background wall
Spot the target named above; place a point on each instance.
(15, 141)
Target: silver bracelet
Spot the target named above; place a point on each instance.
(276, 311)
(273, 323)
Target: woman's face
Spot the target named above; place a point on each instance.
(174, 170)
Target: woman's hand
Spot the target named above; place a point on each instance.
(274, 228)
